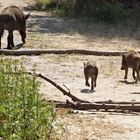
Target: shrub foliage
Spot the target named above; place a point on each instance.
(107, 11)
(23, 113)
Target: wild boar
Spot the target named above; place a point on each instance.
(12, 18)
(131, 59)
(90, 71)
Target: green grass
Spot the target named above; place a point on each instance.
(23, 113)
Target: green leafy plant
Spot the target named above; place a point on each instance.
(23, 113)
(61, 7)
(109, 12)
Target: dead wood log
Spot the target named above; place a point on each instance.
(102, 102)
(75, 99)
(67, 51)
(85, 105)
(106, 107)
(115, 102)
(97, 106)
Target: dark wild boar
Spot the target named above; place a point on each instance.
(131, 59)
(90, 71)
(12, 18)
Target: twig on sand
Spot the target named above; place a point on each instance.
(68, 93)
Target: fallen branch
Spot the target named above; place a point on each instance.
(115, 102)
(75, 99)
(103, 102)
(85, 105)
(106, 107)
(49, 51)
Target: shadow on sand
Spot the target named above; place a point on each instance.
(135, 93)
(87, 91)
(127, 82)
(18, 46)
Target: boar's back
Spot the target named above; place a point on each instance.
(12, 18)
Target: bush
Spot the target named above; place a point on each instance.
(106, 11)
(23, 114)
(109, 13)
(63, 7)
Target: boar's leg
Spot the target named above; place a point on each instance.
(95, 80)
(23, 35)
(1, 33)
(137, 69)
(133, 74)
(10, 40)
(92, 80)
(0, 41)
(126, 72)
(87, 83)
(137, 76)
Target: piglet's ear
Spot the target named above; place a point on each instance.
(84, 64)
(27, 16)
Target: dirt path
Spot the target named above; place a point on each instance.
(68, 70)
(45, 31)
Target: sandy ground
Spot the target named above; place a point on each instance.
(68, 70)
(46, 31)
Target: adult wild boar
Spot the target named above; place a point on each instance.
(12, 18)
(90, 71)
(131, 59)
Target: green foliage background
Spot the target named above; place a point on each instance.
(106, 11)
